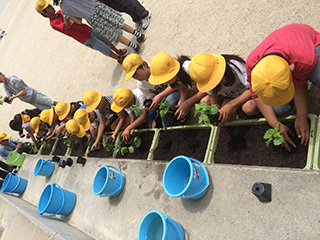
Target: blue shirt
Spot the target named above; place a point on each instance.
(4, 150)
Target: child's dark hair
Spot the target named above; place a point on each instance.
(56, 2)
(15, 125)
(229, 73)
(182, 75)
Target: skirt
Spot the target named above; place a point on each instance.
(106, 21)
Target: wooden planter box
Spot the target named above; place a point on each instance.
(316, 155)
(242, 143)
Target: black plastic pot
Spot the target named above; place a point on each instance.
(69, 162)
(81, 160)
(55, 159)
(62, 163)
(262, 191)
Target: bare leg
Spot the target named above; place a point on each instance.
(127, 28)
(113, 55)
(123, 40)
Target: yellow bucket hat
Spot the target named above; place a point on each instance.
(91, 99)
(4, 136)
(163, 68)
(81, 116)
(271, 80)
(46, 116)
(73, 127)
(25, 118)
(207, 70)
(130, 64)
(34, 123)
(121, 98)
(41, 5)
(62, 109)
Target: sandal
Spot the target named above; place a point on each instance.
(120, 59)
(122, 52)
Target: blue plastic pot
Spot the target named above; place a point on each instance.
(186, 177)
(155, 226)
(107, 182)
(14, 184)
(43, 168)
(55, 200)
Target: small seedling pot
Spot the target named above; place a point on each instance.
(262, 191)
(69, 162)
(81, 160)
(55, 159)
(62, 163)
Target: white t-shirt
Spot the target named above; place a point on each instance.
(240, 84)
(140, 98)
(149, 90)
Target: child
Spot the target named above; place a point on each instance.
(138, 69)
(22, 121)
(80, 32)
(16, 88)
(140, 16)
(102, 18)
(124, 98)
(223, 76)
(166, 70)
(7, 145)
(82, 117)
(73, 127)
(49, 117)
(40, 128)
(278, 71)
(94, 100)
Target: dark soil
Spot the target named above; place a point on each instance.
(48, 150)
(61, 148)
(143, 151)
(102, 153)
(79, 149)
(189, 142)
(244, 145)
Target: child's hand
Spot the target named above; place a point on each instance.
(226, 113)
(183, 111)
(155, 102)
(94, 145)
(285, 132)
(113, 137)
(126, 135)
(302, 129)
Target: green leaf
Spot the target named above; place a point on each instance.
(268, 134)
(124, 150)
(137, 141)
(109, 147)
(213, 110)
(131, 149)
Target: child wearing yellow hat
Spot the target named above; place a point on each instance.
(94, 100)
(124, 98)
(223, 78)
(278, 70)
(7, 145)
(139, 70)
(165, 69)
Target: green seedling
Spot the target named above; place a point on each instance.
(136, 143)
(164, 109)
(107, 145)
(136, 109)
(204, 111)
(1, 100)
(33, 148)
(45, 145)
(274, 135)
(69, 142)
(90, 143)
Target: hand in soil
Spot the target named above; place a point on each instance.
(182, 111)
(147, 103)
(302, 129)
(285, 131)
(226, 113)
(127, 136)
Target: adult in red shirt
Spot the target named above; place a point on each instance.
(278, 71)
(80, 32)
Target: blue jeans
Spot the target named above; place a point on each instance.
(314, 77)
(169, 119)
(98, 42)
(283, 110)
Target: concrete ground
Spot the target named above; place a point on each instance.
(229, 210)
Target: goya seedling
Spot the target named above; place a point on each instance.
(136, 109)
(136, 143)
(33, 148)
(69, 142)
(106, 145)
(164, 109)
(274, 135)
(204, 111)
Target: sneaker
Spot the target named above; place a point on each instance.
(122, 52)
(120, 59)
(137, 49)
(142, 38)
(146, 21)
(137, 26)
